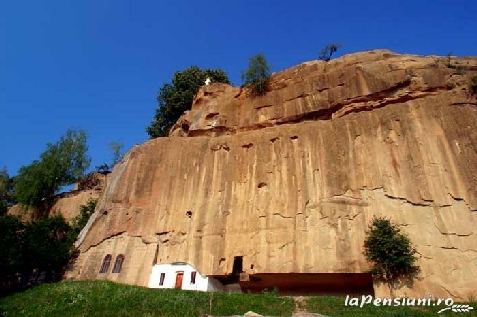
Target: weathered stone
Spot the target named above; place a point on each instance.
(291, 180)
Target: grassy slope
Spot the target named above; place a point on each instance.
(100, 298)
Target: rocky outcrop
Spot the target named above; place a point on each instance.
(289, 181)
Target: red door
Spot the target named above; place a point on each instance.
(179, 277)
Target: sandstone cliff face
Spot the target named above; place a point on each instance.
(290, 181)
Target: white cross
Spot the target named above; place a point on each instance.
(208, 81)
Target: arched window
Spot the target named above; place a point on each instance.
(105, 265)
(118, 264)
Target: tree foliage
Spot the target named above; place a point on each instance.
(257, 75)
(11, 251)
(6, 187)
(176, 97)
(47, 248)
(390, 252)
(62, 164)
(32, 253)
(327, 52)
(116, 148)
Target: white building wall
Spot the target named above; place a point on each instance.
(202, 283)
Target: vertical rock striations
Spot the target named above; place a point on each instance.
(290, 181)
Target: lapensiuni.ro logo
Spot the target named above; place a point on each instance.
(407, 301)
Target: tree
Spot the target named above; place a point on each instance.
(116, 147)
(257, 75)
(176, 97)
(390, 252)
(60, 165)
(327, 51)
(6, 187)
(11, 252)
(48, 246)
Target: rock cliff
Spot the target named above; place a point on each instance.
(289, 181)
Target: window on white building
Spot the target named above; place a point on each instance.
(192, 277)
(161, 281)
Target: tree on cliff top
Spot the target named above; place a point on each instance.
(391, 253)
(176, 97)
(327, 52)
(61, 164)
(257, 75)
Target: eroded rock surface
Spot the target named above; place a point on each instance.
(290, 181)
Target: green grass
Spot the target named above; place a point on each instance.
(105, 299)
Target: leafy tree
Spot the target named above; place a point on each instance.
(257, 75)
(390, 252)
(61, 164)
(176, 97)
(116, 147)
(6, 187)
(11, 252)
(47, 248)
(327, 52)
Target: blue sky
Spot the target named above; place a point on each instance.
(97, 65)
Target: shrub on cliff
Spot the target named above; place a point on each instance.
(80, 221)
(176, 97)
(391, 254)
(327, 52)
(257, 75)
(61, 164)
(473, 85)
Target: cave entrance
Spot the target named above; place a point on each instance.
(237, 268)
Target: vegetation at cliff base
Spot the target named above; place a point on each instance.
(35, 252)
(104, 299)
(61, 164)
(391, 254)
(107, 299)
(176, 97)
(257, 75)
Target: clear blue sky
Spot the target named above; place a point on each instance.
(97, 65)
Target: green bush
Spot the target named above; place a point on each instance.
(391, 254)
(257, 75)
(80, 221)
